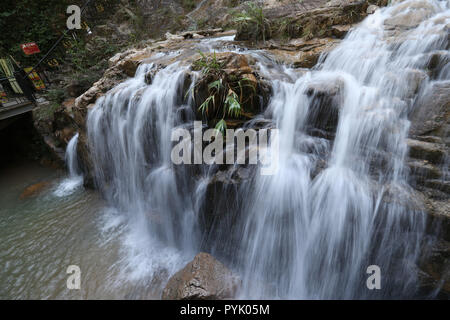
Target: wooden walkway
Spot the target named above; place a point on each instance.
(18, 106)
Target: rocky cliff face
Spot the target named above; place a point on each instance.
(300, 38)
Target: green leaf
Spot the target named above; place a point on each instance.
(221, 126)
(205, 105)
(216, 85)
(233, 105)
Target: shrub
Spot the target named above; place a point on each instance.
(253, 21)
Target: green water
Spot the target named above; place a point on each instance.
(42, 235)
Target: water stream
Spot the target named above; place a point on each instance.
(334, 207)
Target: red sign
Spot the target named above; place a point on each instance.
(30, 48)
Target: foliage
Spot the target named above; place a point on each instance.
(189, 5)
(253, 18)
(30, 20)
(84, 55)
(55, 95)
(223, 100)
(208, 64)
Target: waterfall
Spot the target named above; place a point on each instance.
(71, 157)
(75, 179)
(314, 237)
(129, 132)
(335, 206)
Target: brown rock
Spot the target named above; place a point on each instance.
(129, 67)
(301, 53)
(34, 190)
(204, 278)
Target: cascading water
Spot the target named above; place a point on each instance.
(75, 179)
(315, 238)
(332, 209)
(129, 132)
(71, 157)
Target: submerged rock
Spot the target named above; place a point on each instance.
(204, 278)
(34, 190)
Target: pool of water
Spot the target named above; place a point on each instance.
(43, 233)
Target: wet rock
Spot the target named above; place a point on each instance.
(325, 102)
(129, 67)
(372, 8)
(435, 265)
(406, 84)
(430, 115)
(150, 75)
(438, 184)
(224, 196)
(200, 34)
(204, 278)
(410, 14)
(85, 161)
(432, 152)
(437, 62)
(301, 53)
(438, 216)
(340, 31)
(422, 169)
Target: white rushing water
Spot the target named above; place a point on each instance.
(303, 233)
(315, 238)
(75, 179)
(129, 131)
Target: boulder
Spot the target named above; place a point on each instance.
(430, 115)
(204, 278)
(129, 67)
